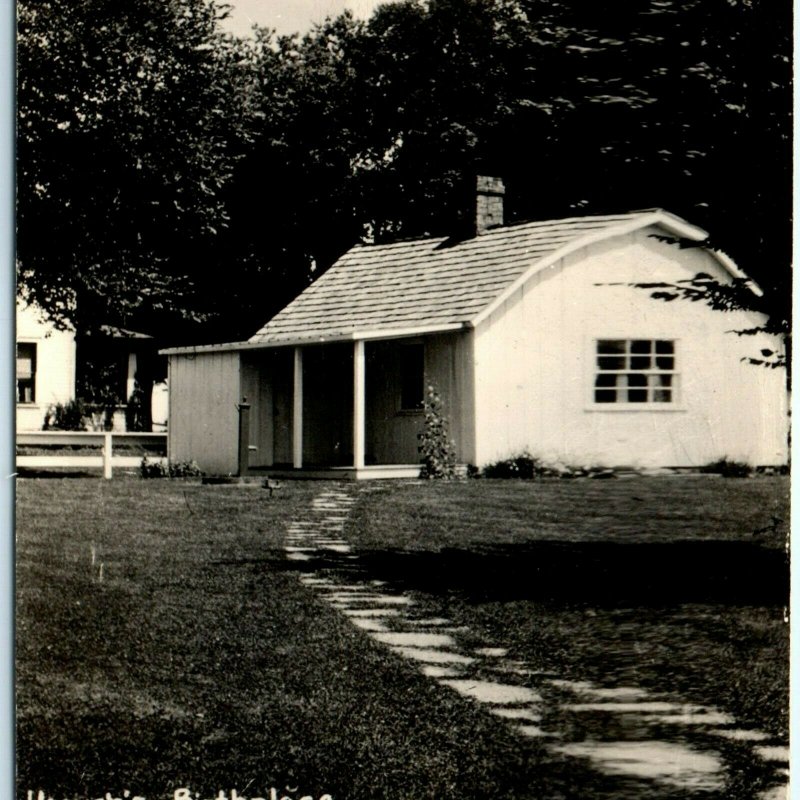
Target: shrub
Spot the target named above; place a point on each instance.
(728, 468)
(435, 445)
(527, 467)
(175, 469)
(70, 416)
(97, 382)
(523, 466)
(78, 415)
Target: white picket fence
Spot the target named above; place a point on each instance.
(104, 441)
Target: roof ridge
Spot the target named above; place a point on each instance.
(579, 218)
(507, 225)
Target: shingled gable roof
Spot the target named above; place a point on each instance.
(435, 284)
(438, 284)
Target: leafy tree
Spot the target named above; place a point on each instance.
(584, 109)
(162, 159)
(595, 108)
(130, 113)
(443, 80)
(293, 202)
(683, 105)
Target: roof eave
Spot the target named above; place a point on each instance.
(300, 341)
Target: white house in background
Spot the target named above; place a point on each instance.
(45, 367)
(50, 362)
(530, 332)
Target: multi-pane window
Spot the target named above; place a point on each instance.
(635, 371)
(26, 372)
(412, 376)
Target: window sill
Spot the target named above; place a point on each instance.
(28, 405)
(615, 408)
(409, 412)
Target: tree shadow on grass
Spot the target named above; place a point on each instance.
(600, 573)
(604, 574)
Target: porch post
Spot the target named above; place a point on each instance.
(297, 410)
(358, 404)
(130, 380)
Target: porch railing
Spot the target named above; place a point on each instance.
(102, 440)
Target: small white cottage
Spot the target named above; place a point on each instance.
(533, 337)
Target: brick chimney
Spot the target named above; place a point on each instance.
(489, 204)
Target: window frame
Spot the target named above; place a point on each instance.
(33, 379)
(593, 370)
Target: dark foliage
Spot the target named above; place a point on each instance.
(162, 157)
(129, 116)
(69, 416)
(523, 466)
(728, 468)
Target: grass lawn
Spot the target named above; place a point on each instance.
(673, 584)
(164, 641)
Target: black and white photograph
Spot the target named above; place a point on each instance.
(402, 400)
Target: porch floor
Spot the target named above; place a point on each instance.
(371, 472)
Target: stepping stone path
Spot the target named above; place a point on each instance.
(651, 737)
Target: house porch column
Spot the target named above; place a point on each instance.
(358, 404)
(130, 380)
(297, 410)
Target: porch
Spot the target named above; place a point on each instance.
(338, 409)
(372, 472)
(350, 409)
(344, 410)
